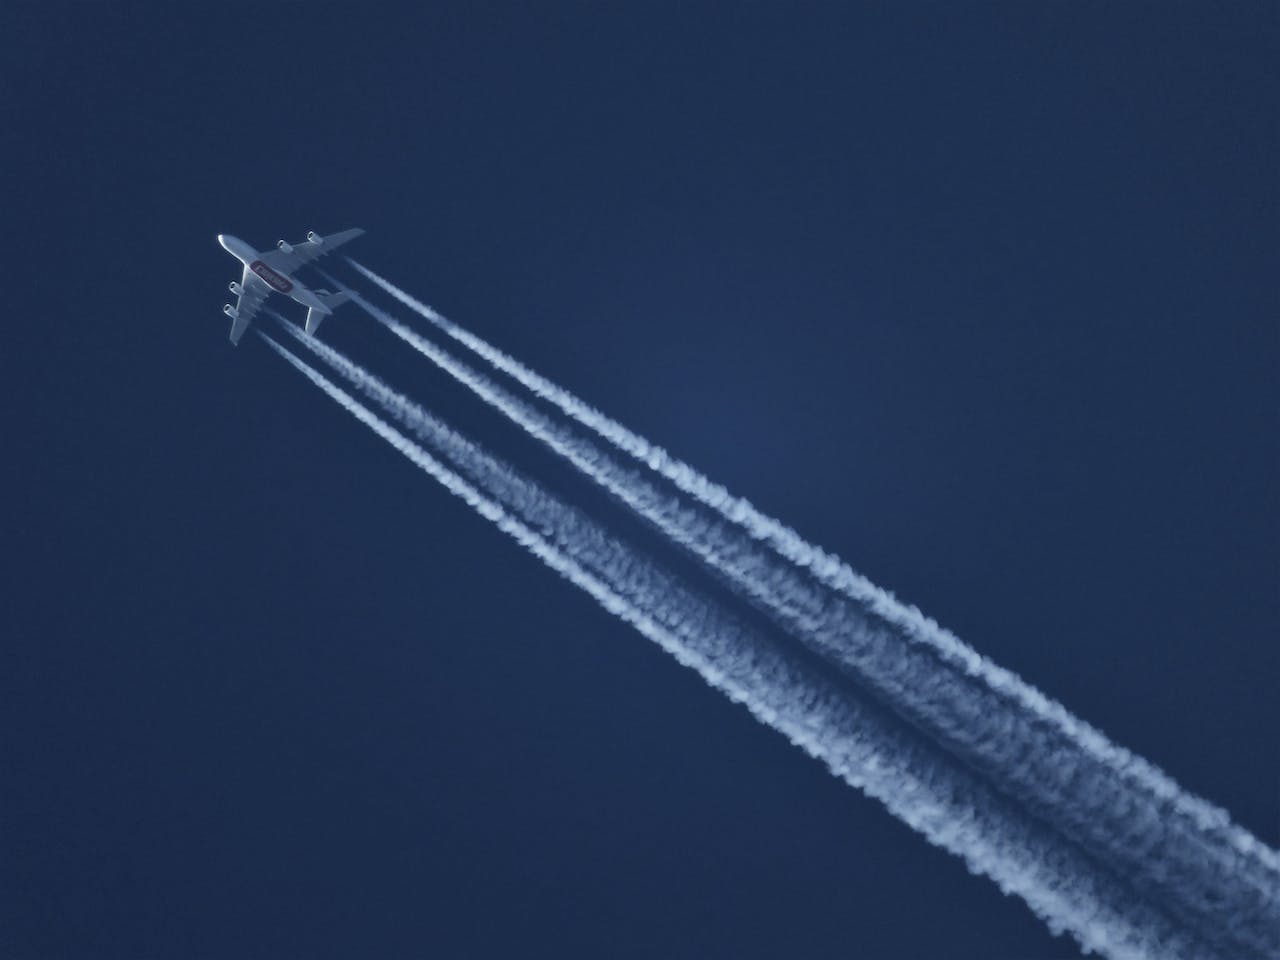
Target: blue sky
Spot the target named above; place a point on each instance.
(981, 296)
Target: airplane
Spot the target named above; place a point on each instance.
(272, 272)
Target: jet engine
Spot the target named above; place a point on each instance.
(286, 247)
(234, 288)
(314, 237)
(229, 310)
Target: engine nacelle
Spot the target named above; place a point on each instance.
(286, 247)
(314, 237)
(234, 288)
(229, 310)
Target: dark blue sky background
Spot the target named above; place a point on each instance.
(981, 296)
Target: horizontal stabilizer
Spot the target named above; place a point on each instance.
(331, 300)
(328, 301)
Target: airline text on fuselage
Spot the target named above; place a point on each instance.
(275, 280)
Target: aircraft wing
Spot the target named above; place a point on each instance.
(304, 253)
(252, 292)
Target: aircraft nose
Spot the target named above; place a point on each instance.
(222, 240)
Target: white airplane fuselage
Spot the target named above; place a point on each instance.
(279, 281)
(275, 271)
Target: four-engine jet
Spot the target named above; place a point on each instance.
(272, 271)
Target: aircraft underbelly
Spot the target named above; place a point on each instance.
(274, 279)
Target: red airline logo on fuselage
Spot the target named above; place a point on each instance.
(274, 279)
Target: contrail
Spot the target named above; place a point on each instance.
(1038, 763)
(834, 572)
(944, 801)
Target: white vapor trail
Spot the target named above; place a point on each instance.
(1113, 802)
(941, 799)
